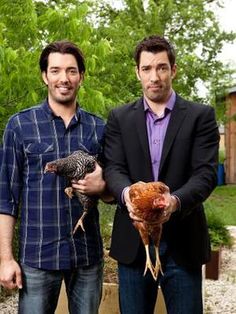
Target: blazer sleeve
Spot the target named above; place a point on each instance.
(201, 165)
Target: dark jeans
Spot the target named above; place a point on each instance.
(182, 288)
(41, 290)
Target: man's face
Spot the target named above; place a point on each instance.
(62, 78)
(155, 74)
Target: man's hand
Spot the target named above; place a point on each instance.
(171, 206)
(10, 274)
(92, 184)
(129, 205)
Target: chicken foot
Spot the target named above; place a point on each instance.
(69, 192)
(157, 267)
(149, 265)
(80, 223)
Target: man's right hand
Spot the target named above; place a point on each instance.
(10, 274)
(129, 205)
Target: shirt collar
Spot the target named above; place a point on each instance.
(169, 104)
(47, 109)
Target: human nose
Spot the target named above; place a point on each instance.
(154, 76)
(63, 76)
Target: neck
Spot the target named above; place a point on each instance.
(157, 108)
(66, 112)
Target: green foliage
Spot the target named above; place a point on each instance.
(221, 156)
(107, 213)
(190, 25)
(107, 36)
(219, 234)
(222, 201)
(220, 212)
(20, 23)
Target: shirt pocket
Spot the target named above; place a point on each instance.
(92, 147)
(38, 148)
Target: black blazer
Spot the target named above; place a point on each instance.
(188, 166)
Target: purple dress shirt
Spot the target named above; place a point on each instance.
(156, 129)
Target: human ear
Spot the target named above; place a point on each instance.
(137, 73)
(173, 71)
(44, 77)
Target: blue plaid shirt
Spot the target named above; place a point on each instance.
(31, 139)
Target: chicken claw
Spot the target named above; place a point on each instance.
(69, 192)
(148, 264)
(80, 223)
(157, 267)
(154, 270)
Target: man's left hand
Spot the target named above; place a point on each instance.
(92, 184)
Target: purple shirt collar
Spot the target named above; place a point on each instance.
(169, 104)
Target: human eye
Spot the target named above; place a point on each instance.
(145, 69)
(73, 71)
(163, 68)
(54, 71)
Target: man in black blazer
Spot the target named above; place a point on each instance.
(162, 137)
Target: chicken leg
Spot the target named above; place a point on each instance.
(156, 237)
(80, 222)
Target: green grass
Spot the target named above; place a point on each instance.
(107, 213)
(222, 202)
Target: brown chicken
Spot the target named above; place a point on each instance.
(149, 201)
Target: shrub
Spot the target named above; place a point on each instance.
(219, 234)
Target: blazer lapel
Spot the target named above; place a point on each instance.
(177, 116)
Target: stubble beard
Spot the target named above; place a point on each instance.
(65, 100)
(159, 97)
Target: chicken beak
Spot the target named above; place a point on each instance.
(50, 168)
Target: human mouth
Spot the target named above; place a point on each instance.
(154, 87)
(63, 89)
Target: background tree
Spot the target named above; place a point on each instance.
(190, 24)
(42, 22)
(107, 37)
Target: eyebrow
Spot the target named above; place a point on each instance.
(69, 68)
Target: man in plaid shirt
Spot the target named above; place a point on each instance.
(49, 252)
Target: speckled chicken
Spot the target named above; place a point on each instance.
(149, 201)
(75, 166)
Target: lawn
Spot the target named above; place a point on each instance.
(107, 213)
(223, 202)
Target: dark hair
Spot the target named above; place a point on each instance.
(62, 46)
(155, 44)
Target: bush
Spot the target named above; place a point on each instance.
(219, 234)
(221, 156)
